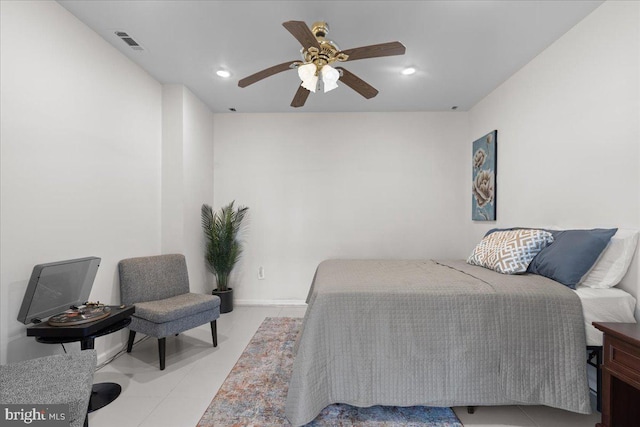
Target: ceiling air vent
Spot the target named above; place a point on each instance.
(128, 40)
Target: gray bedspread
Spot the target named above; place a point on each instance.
(436, 333)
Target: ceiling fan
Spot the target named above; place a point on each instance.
(318, 54)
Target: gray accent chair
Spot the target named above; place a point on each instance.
(51, 380)
(158, 286)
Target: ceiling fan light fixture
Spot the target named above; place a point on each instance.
(307, 74)
(223, 73)
(330, 78)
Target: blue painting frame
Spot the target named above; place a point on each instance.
(483, 185)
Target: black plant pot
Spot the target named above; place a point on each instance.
(226, 299)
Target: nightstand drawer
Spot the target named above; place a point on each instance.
(621, 355)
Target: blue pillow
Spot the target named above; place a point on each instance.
(571, 255)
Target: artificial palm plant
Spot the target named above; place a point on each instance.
(223, 249)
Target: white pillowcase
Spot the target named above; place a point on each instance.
(614, 261)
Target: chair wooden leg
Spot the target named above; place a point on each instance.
(214, 333)
(162, 344)
(132, 336)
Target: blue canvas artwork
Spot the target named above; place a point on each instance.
(483, 187)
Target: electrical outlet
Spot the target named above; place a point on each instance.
(261, 273)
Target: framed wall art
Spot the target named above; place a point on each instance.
(483, 188)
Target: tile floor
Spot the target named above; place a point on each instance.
(179, 395)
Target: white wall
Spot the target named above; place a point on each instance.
(197, 186)
(318, 186)
(172, 230)
(569, 130)
(187, 179)
(80, 158)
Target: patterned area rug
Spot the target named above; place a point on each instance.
(255, 391)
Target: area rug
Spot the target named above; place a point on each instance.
(255, 391)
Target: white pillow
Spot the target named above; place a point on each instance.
(614, 261)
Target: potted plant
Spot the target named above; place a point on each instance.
(223, 249)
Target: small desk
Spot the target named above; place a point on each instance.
(102, 393)
(620, 374)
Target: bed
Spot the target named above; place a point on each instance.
(447, 333)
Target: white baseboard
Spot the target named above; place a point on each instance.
(270, 302)
(108, 353)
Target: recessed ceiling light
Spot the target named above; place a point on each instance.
(408, 71)
(223, 73)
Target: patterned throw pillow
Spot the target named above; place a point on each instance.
(511, 251)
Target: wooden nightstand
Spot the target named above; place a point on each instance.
(620, 375)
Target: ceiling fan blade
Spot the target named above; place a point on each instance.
(266, 73)
(375, 51)
(300, 97)
(357, 84)
(302, 33)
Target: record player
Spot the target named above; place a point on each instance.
(86, 313)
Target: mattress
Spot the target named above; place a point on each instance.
(604, 305)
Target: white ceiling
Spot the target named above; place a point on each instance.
(462, 49)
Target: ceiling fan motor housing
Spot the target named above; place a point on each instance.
(328, 53)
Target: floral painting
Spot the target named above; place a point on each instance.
(483, 187)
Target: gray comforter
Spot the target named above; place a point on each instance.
(406, 333)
